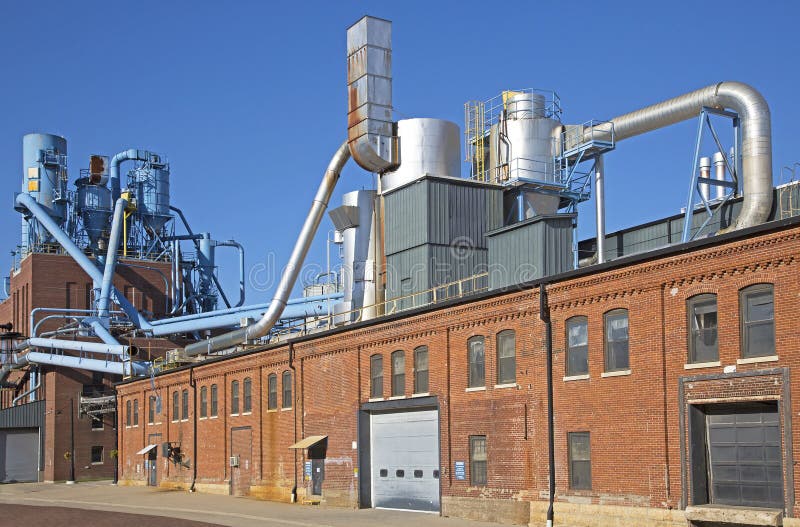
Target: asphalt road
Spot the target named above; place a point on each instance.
(32, 516)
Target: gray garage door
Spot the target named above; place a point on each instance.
(744, 447)
(405, 460)
(19, 454)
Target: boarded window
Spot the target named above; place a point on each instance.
(616, 341)
(757, 321)
(506, 357)
(398, 373)
(702, 311)
(478, 460)
(421, 370)
(577, 346)
(580, 464)
(477, 362)
(376, 376)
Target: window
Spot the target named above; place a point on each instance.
(506, 357)
(151, 409)
(213, 400)
(477, 460)
(272, 392)
(398, 373)
(247, 402)
(757, 321)
(477, 362)
(577, 346)
(580, 464)
(286, 381)
(128, 413)
(185, 405)
(616, 348)
(702, 310)
(203, 402)
(421, 369)
(376, 376)
(136, 412)
(175, 401)
(97, 423)
(97, 455)
(234, 397)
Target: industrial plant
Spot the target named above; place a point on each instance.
(468, 355)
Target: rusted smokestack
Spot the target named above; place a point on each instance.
(370, 129)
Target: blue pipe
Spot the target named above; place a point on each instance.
(127, 155)
(111, 258)
(82, 363)
(295, 309)
(26, 201)
(101, 331)
(237, 245)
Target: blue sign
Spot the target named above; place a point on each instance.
(461, 470)
(308, 468)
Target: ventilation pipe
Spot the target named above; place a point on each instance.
(719, 174)
(705, 172)
(370, 129)
(756, 137)
(289, 276)
(127, 155)
(600, 207)
(111, 258)
(26, 201)
(238, 246)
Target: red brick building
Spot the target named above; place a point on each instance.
(673, 388)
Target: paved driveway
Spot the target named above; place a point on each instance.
(196, 507)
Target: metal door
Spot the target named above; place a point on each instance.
(405, 460)
(317, 476)
(744, 452)
(19, 455)
(241, 449)
(151, 463)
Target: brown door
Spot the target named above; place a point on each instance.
(241, 460)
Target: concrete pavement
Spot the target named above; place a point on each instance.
(210, 508)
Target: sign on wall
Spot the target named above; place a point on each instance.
(461, 470)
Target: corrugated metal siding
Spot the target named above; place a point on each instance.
(30, 415)
(530, 250)
(406, 217)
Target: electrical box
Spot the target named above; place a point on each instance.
(234, 461)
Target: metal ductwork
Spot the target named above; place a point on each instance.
(370, 129)
(126, 155)
(290, 272)
(756, 137)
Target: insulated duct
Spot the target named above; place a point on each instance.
(756, 137)
(289, 276)
(370, 129)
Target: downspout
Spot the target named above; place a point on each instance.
(111, 258)
(126, 155)
(27, 202)
(544, 316)
(193, 384)
(294, 411)
(289, 276)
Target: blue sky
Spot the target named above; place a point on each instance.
(248, 99)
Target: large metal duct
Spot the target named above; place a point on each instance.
(126, 155)
(370, 129)
(292, 269)
(111, 258)
(756, 137)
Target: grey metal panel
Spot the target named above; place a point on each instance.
(405, 217)
(531, 249)
(744, 442)
(19, 452)
(405, 460)
(29, 415)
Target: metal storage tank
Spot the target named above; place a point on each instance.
(93, 203)
(44, 165)
(152, 194)
(427, 147)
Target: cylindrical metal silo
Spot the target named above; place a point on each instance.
(206, 257)
(427, 146)
(44, 165)
(93, 203)
(152, 193)
(529, 134)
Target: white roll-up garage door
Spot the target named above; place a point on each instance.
(19, 454)
(405, 460)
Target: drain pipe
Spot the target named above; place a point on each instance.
(544, 316)
(126, 155)
(289, 276)
(27, 202)
(193, 384)
(111, 258)
(294, 411)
